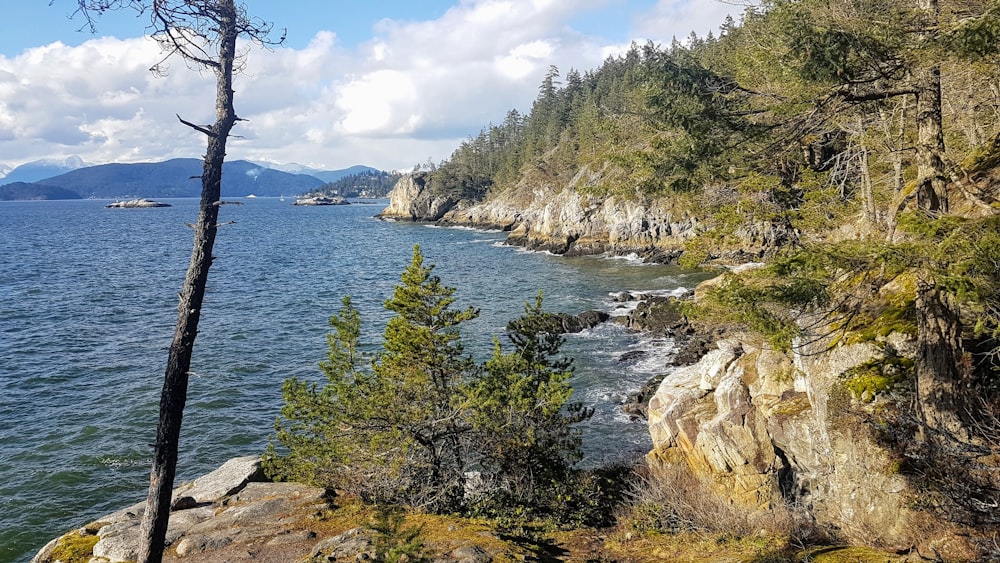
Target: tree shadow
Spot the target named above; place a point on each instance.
(542, 550)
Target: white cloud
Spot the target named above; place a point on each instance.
(678, 18)
(413, 91)
(383, 101)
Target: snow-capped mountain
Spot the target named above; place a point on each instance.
(42, 169)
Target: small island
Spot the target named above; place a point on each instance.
(321, 200)
(137, 203)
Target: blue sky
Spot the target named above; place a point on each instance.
(385, 83)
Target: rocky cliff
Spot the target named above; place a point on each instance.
(563, 219)
(413, 199)
(766, 428)
(559, 219)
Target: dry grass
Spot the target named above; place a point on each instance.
(670, 499)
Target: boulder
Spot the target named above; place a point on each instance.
(564, 323)
(228, 479)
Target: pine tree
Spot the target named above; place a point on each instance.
(406, 425)
(391, 433)
(523, 421)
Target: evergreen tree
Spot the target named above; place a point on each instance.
(405, 426)
(523, 422)
(391, 433)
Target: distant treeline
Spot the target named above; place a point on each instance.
(367, 184)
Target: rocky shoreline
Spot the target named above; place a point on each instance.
(235, 514)
(563, 220)
(758, 424)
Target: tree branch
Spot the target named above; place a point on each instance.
(204, 130)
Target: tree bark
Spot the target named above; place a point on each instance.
(940, 360)
(173, 396)
(932, 194)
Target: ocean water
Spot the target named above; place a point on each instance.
(87, 310)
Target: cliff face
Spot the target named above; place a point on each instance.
(767, 428)
(563, 219)
(412, 200)
(558, 219)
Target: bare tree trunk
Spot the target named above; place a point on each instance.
(932, 194)
(867, 191)
(175, 381)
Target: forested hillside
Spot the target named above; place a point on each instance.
(857, 106)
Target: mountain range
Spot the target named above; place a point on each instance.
(171, 178)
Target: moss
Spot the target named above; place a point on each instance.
(869, 379)
(75, 547)
(792, 406)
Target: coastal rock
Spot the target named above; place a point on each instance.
(565, 323)
(757, 423)
(137, 203)
(412, 199)
(214, 517)
(231, 477)
(239, 519)
(565, 219)
(322, 200)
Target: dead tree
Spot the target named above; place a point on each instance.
(204, 34)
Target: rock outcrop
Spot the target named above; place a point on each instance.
(765, 428)
(564, 219)
(322, 200)
(412, 199)
(225, 511)
(136, 203)
(230, 514)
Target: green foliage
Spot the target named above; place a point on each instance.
(962, 256)
(764, 308)
(837, 284)
(869, 379)
(977, 36)
(364, 184)
(522, 420)
(408, 424)
(392, 432)
(393, 542)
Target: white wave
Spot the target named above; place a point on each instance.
(462, 228)
(521, 249)
(631, 258)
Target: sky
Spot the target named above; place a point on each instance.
(384, 83)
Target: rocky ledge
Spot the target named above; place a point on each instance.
(564, 219)
(232, 514)
(321, 200)
(136, 203)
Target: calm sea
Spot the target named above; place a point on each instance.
(87, 309)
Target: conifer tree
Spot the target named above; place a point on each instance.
(405, 426)
(523, 422)
(392, 433)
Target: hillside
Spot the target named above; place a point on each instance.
(178, 178)
(24, 191)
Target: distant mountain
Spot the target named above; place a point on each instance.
(4, 170)
(325, 175)
(42, 169)
(24, 191)
(178, 178)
